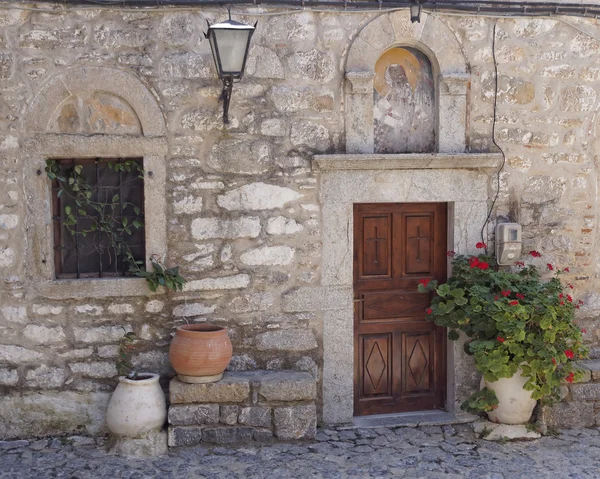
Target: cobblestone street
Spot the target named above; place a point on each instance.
(426, 452)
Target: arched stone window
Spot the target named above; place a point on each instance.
(404, 109)
(91, 115)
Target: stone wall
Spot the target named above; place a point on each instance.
(242, 203)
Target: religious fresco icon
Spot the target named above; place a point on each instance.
(404, 102)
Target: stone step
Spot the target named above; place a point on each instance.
(243, 406)
(593, 366)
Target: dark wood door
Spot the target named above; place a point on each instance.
(400, 357)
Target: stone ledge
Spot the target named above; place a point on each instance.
(412, 161)
(287, 386)
(231, 389)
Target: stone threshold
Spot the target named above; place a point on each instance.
(412, 161)
(412, 419)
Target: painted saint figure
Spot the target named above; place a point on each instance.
(404, 104)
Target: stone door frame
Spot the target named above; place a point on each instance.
(460, 180)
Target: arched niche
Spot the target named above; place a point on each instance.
(432, 37)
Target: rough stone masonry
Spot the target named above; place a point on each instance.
(240, 205)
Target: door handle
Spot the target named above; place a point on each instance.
(358, 300)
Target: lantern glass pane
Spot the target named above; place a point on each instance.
(232, 46)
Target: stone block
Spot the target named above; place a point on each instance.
(230, 389)
(186, 65)
(94, 369)
(296, 422)
(568, 415)
(286, 340)
(184, 436)
(213, 228)
(586, 392)
(268, 255)
(46, 377)
(44, 335)
(229, 415)
(150, 445)
(287, 386)
(227, 435)
(193, 414)
(316, 299)
(593, 367)
(6, 66)
(255, 416)
(8, 377)
(238, 281)
(280, 225)
(262, 435)
(257, 196)
(17, 354)
(310, 134)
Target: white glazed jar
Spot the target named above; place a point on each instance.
(515, 405)
(137, 406)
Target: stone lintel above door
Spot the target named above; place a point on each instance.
(409, 161)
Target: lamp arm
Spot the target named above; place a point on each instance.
(226, 97)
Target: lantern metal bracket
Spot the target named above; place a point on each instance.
(226, 97)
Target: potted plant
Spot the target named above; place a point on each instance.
(138, 404)
(520, 332)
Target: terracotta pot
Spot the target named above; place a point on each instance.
(515, 405)
(137, 406)
(200, 352)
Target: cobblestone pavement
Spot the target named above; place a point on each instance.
(425, 452)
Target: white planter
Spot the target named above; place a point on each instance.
(136, 407)
(515, 405)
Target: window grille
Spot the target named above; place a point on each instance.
(82, 250)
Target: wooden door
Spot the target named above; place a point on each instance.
(400, 356)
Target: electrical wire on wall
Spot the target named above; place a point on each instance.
(494, 116)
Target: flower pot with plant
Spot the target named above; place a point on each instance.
(520, 329)
(138, 404)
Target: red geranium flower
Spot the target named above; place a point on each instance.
(569, 298)
(569, 354)
(500, 339)
(554, 361)
(562, 303)
(483, 265)
(424, 282)
(535, 254)
(519, 263)
(583, 330)
(473, 262)
(566, 270)
(505, 293)
(450, 254)
(560, 295)
(570, 286)
(429, 310)
(550, 267)
(495, 298)
(480, 245)
(513, 303)
(520, 296)
(570, 377)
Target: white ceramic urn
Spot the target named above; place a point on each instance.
(137, 406)
(515, 405)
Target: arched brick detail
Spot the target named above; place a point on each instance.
(77, 80)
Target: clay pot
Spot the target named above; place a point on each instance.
(515, 405)
(200, 352)
(137, 406)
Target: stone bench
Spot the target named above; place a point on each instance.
(580, 402)
(242, 407)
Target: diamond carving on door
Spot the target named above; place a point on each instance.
(399, 355)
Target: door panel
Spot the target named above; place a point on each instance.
(399, 356)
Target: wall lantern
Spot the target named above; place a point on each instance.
(230, 43)
(415, 10)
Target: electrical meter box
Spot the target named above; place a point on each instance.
(508, 243)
